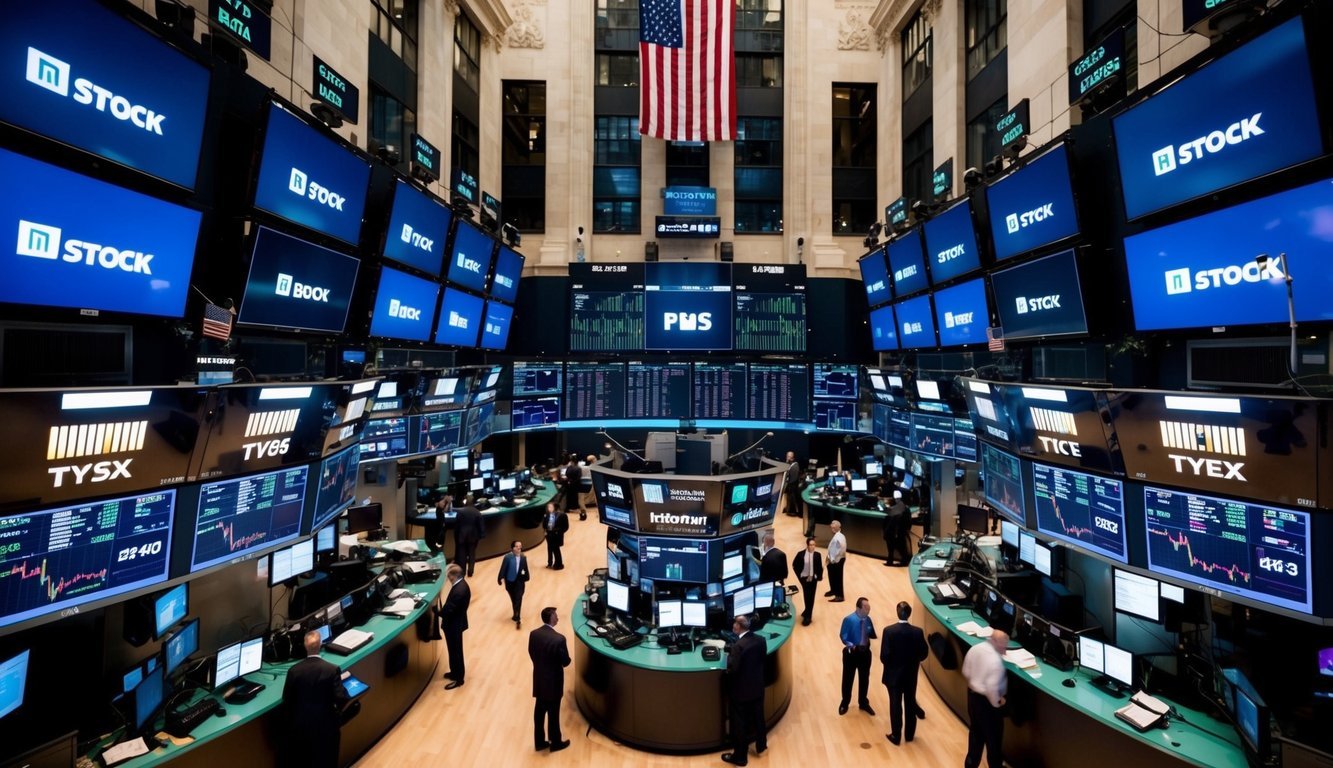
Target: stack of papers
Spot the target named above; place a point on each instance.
(1021, 658)
(975, 629)
(124, 751)
(935, 564)
(1143, 711)
(400, 607)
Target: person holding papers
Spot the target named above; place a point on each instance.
(987, 684)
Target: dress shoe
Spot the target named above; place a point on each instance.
(453, 685)
(518, 624)
(830, 593)
(543, 745)
(920, 715)
(805, 621)
(835, 599)
(730, 757)
(558, 567)
(559, 745)
(894, 738)
(866, 709)
(450, 676)
(842, 709)
(909, 738)
(758, 750)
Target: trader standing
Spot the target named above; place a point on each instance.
(453, 621)
(549, 652)
(555, 523)
(514, 576)
(773, 562)
(987, 684)
(896, 523)
(791, 485)
(469, 530)
(837, 558)
(856, 633)
(902, 653)
(809, 568)
(313, 699)
(573, 479)
(745, 692)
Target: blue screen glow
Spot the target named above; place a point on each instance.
(1032, 207)
(295, 284)
(875, 276)
(687, 305)
(508, 271)
(460, 319)
(495, 329)
(916, 324)
(908, 264)
(471, 259)
(1040, 298)
(961, 313)
(951, 244)
(417, 229)
(404, 306)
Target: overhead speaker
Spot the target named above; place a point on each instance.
(728, 251)
(650, 251)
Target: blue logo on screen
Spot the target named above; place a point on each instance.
(883, 330)
(307, 178)
(404, 306)
(417, 230)
(67, 76)
(1246, 114)
(951, 243)
(295, 284)
(471, 258)
(495, 331)
(86, 244)
(961, 313)
(508, 271)
(1041, 298)
(460, 319)
(916, 326)
(875, 276)
(1203, 272)
(687, 320)
(1032, 207)
(907, 264)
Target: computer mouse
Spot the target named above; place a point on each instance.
(220, 712)
(1068, 682)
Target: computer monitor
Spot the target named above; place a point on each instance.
(1027, 548)
(180, 646)
(1009, 533)
(486, 463)
(617, 595)
(1091, 654)
(694, 613)
(1176, 594)
(460, 462)
(170, 608)
(325, 634)
(837, 482)
(973, 519)
(132, 678)
(909, 480)
(1324, 658)
(289, 562)
(732, 565)
(858, 485)
(1137, 595)
(507, 483)
(326, 539)
(1043, 560)
(1119, 665)
(731, 585)
(668, 614)
(763, 595)
(874, 468)
(238, 659)
(476, 484)
(364, 518)
(148, 698)
(900, 462)
(743, 601)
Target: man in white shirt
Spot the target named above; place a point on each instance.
(837, 558)
(987, 684)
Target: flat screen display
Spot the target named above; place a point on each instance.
(743, 601)
(1027, 546)
(687, 305)
(951, 243)
(508, 271)
(404, 306)
(875, 277)
(236, 660)
(617, 596)
(309, 179)
(663, 559)
(535, 413)
(835, 416)
(837, 382)
(1062, 426)
(170, 608)
(297, 284)
(1119, 664)
(1003, 483)
(606, 307)
(961, 314)
(495, 327)
(719, 390)
(180, 646)
(1242, 116)
(965, 440)
(242, 516)
(326, 539)
(256, 427)
(386, 439)
(907, 263)
(58, 558)
(87, 244)
(1084, 510)
(668, 613)
(1009, 533)
(778, 392)
(1040, 298)
(1137, 595)
(461, 316)
(769, 308)
(1203, 272)
(289, 562)
(148, 697)
(932, 434)
(1250, 550)
(657, 390)
(478, 426)
(439, 432)
(1091, 654)
(418, 227)
(537, 379)
(594, 392)
(883, 329)
(1033, 207)
(916, 323)
(470, 261)
(337, 485)
(66, 76)
(694, 613)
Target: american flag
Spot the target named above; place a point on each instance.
(995, 338)
(217, 322)
(687, 63)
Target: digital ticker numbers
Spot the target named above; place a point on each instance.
(240, 516)
(1084, 510)
(1252, 550)
(60, 558)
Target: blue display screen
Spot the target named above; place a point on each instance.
(170, 608)
(13, 681)
(495, 329)
(508, 271)
(687, 305)
(417, 229)
(1202, 272)
(951, 244)
(1244, 115)
(404, 306)
(460, 319)
(471, 258)
(535, 413)
(907, 263)
(1003, 473)
(875, 276)
(1085, 510)
(1033, 207)
(1040, 298)
(961, 313)
(296, 284)
(240, 517)
(67, 75)
(916, 324)
(337, 485)
(309, 179)
(90, 245)
(884, 332)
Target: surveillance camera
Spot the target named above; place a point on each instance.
(388, 153)
(800, 242)
(972, 177)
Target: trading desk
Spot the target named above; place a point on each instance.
(397, 665)
(864, 528)
(1048, 724)
(668, 703)
(503, 525)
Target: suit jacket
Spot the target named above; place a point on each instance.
(555, 536)
(469, 524)
(745, 668)
(798, 566)
(894, 517)
(523, 574)
(903, 651)
(454, 615)
(773, 566)
(549, 652)
(312, 701)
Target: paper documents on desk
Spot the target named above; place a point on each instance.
(975, 629)
(935, 564)
(400, 607)
(124, 751)
(419, 566)
(1142, 711)
(1021, 658)
(400, 592)
(405, 546)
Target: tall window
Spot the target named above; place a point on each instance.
(917, 57)
(615, 175)
(467, 52)
(392, 80)
(854, 135)
(617, 43)
(758, 175)
(983, 143)
(465, 153)
(985, 30)
(919, 163)
(391, 123)
(464, 150)
(523, 175)
(687, 164)
(394, 22)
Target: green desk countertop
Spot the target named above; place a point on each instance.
(539, 499)
(810, 496)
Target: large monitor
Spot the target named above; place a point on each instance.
(13, 682)
(148, 698)
(617, 595)
(239, 517)
(170, 608)
(962, 313)
(236, 660)
(508, 271)
(1137, 595)
(1033, 207)
(1085, 510)
(907, 264)
(258, 427)
(743, 601)
(606, 307)
(180, 646)
(461, 317)
(1040, 298)
(1027, 547)
(657, 390)
(290, 562)
(1091, 654)
(664, 559)
(404, 306)
(951, 243)
(1119, 665)
(719, 390)
(883, 329)
(836, 382)
(778, 392)
(694, 613)
(535, 413)
(834, 415)
(594, 392)
(536, 378)
(1003, 473)
(687, 305)
(769, 308)
(916, 323)
(1009, 533)
(337, 485)
(495, 326)
(875, 277)
(418, 227)
(470, 261)
(296, 284)
(368, 517)
(668, 614)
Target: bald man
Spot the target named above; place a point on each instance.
(312, 701)
(987, 684)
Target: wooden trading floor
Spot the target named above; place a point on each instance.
(488, 721)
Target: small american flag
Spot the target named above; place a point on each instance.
(217, 322)
(995, 338)
(687, 64)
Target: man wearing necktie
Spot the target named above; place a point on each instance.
(514, 575)
(856, 633)
(809, 567)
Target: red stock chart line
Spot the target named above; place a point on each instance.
(234, 544)
(1076, 531)
(1234, 572)
(53, 588)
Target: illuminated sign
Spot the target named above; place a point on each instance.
(426, 156)
(1014, 125)
(1098, 68)
(334, 90)
(245, 21)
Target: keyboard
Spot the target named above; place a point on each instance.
(182, 722)
(946, 591)
(621, 641)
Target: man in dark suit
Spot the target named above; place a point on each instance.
(791, 485)
(745, 692)
(514, 576)
(555, 523)
(313, 699)
(470, 530)
(435, 530)
(453, 621)
(902, 653)
(809, 569)
(550, 655)
(773, 563)
(573, 480)
(897, 522)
